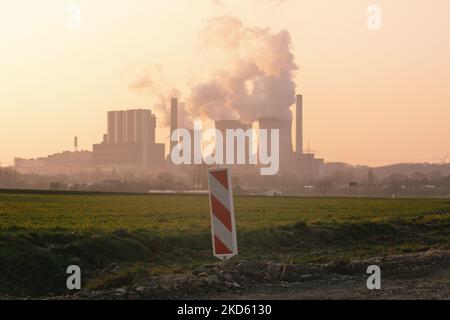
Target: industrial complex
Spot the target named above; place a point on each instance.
(129, 144)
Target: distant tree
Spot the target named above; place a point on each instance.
(325, 185)
(435, 175)
(9, 178)
(445, 181)
(370, 177)
(397, 180)
(418, 178)
(58, 186)
(165, 181)
(342, 177)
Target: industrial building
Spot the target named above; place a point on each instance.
(222, 126)
(173, 121)
(308, 167)
(130, 140)
(302, 163)
(66, 161)
(285, 132)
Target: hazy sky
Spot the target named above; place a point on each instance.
(371, 97)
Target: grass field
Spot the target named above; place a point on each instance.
(41, 234)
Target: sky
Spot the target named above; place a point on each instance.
(371, 97)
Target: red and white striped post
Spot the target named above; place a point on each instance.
(223, 226)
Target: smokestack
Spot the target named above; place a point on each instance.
(173, 120)
(299, 124)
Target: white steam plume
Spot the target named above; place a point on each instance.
(256, 78)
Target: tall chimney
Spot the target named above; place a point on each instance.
(173, 120)
(299, 125)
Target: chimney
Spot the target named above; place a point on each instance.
(299, 125)
(173, 120)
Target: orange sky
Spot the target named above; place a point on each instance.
(371, 97)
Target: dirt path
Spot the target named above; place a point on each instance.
(419, 276)
(433, 286)
(423, 275)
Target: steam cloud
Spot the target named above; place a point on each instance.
(222, 3)
(257, 80)
(151, 80)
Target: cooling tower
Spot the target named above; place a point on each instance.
(222, 126)
(285, 142)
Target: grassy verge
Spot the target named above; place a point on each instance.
(116, 238)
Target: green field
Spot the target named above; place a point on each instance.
(41, 234)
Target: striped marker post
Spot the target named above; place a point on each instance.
(223, 227)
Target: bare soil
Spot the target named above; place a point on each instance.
(423, 275)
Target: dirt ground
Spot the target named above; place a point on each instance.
(419, 276)
(423, 275)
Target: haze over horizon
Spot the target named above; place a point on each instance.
(370, 97)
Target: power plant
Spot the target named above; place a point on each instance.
(303, 164)
(130, 143)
